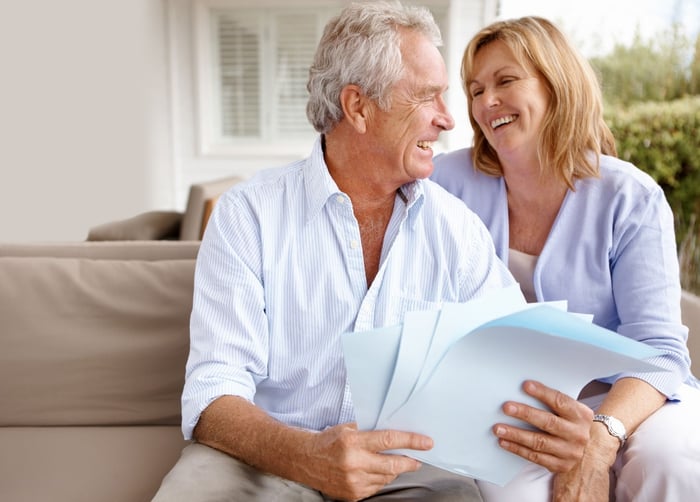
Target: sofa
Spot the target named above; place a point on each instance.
(94, 339)
(187, 225)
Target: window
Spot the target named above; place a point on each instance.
(252, 68)
(252, 73)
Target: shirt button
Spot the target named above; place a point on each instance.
(340, 199)
(354, 244)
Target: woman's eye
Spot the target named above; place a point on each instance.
(476, 92)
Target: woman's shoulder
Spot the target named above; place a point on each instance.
(619, 177)
(624, 174)
(455, 172)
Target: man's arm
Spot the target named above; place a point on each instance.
(341, 461)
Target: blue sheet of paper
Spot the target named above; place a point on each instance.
(447, 373)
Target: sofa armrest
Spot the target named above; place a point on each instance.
(690, 310)
(151, 225)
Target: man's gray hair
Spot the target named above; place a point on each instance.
(361, 46)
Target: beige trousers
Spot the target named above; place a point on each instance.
(204, 474)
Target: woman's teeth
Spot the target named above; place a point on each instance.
(503, 120)
(425, 145)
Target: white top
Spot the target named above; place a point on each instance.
(522, 266)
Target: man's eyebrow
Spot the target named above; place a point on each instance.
(429, 90)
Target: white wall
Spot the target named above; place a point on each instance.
(98, 117)
(84, 124)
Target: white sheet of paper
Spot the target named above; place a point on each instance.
(456, 319)
(416, 338)
(454, 393)
(370, 357)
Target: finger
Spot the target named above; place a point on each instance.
(562, 461)
(553, 434)
(389, 465)
(541, 419)
(560, 403)
(389, 439)
(539, 441)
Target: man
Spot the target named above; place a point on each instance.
(346, 240)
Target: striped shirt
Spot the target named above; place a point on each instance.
(280, 276)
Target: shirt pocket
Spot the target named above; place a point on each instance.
(399, 305)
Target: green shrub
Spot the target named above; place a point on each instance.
(663, 139)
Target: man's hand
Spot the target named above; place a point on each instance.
(347, 464)
(562, 434)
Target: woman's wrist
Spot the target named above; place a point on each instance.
(602, 445)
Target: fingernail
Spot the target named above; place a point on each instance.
(500, 431)
(510, 409)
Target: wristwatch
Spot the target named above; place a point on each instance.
(615, 427)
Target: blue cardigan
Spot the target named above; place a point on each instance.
(611, 253)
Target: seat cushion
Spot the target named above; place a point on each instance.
(93, 342)
(86, 464)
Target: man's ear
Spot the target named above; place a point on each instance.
(356, 107)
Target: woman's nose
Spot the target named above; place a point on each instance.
(491, 98)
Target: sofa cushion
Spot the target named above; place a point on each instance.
(86, 464)
(150, 225)
(105, 250)
(195, 217)
(91, 342)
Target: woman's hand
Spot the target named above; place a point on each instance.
(562, 434)
(589, 480)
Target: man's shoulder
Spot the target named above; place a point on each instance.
(270, 180)
(440, 203)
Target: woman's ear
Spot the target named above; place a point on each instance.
(356, 107)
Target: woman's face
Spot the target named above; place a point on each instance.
(509, 101)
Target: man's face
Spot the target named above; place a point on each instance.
(402, 136)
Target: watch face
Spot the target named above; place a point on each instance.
(615, 427)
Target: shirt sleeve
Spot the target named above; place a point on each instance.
(646, 288)
(228, 327)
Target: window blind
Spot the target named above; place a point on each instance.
(263, 61)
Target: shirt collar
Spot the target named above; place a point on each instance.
(318, 182)
(320, 186)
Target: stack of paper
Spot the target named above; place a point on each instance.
(446, 373)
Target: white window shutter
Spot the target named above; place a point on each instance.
(252, 73)
(295, 44)
(239, 47)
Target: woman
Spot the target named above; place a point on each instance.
(573, 222)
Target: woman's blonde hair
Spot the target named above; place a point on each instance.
(574, 134)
